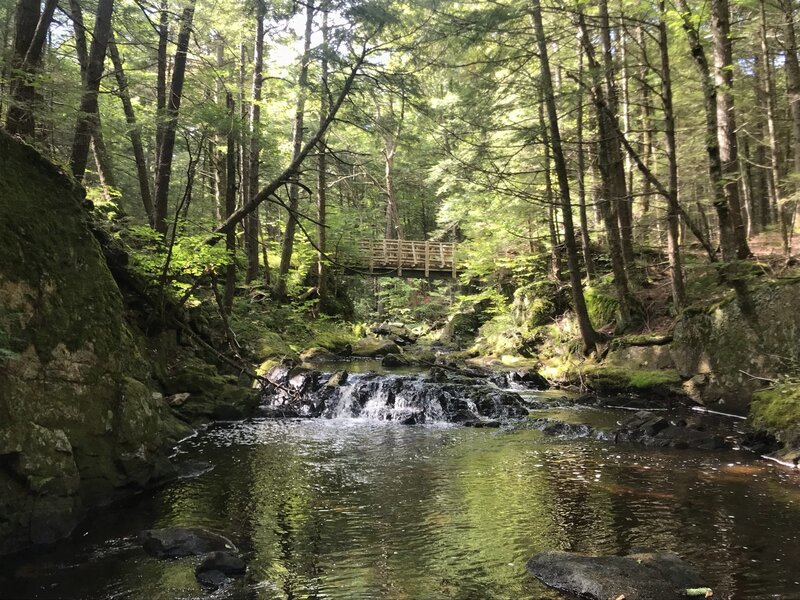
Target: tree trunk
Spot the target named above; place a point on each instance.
(165, 155)
(134, 130)
(30, 35)
(617, 182)
(253, 225)
(161, 84)
(726, 120)
(88, 121)
(581, 175)
(673, 208)
(105, 168)
(612, 176)
(588, 334)
(322, 179)
(297, 142)
(555, 253)
(230, 205)
(793, 90)
(767, 83)
(727, 240)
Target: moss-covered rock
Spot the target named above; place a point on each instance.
(212, 395)
(776, 410)
(369, 347)
(724, 350)
(78, 420)
(608, 379)
(317, 354)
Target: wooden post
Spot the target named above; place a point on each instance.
(371, 258)
(427, 258)
(454, 261)
(399, 257)
(441, 254)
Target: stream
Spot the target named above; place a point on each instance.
(354, 508)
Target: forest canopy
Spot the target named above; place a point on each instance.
(588, 133)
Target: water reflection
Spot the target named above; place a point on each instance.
(348, 509)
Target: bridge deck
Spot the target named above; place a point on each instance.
(407, 258)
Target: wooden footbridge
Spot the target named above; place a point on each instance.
(406, 258)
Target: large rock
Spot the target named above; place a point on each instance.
(174, 542)
(654, 430)
(722, 350)
(79, 423)
(369, 347)
(318, 355)
(217, 567)
(645, 576)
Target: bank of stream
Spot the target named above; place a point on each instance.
(360, 508)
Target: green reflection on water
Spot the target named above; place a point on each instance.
(351, 510)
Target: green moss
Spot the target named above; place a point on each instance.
(272, 345)
(601, 305)
(777, 410)
(607, 378)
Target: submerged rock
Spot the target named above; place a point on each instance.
(644, 576)
(174, 542)
(217, 567)
(654, 430)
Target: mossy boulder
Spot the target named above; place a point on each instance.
(273, 346)
(79, 422)
(531, 309)
(607, 379)
(723, 351)
(370, 347)
(212, 395)
(776, 410)
(316, 355)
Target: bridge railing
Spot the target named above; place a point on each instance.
(411, 255)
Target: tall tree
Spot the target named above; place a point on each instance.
(32, 25)
(322, 168)
(610, 165)
(726, 119)
(134, 130)
(166, 151)
(297, 144)
(252, 224)
(88, 112)
(588, 334)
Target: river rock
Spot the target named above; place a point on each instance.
(530, 378)
(403, 399)
(217, 567)
(654, 430)
(644, 576)
(174, 542)
(316, 355)
(337, 379)
(397, 332)
(393, 361)
(372, 347)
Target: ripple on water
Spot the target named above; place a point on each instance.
(349, 509)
